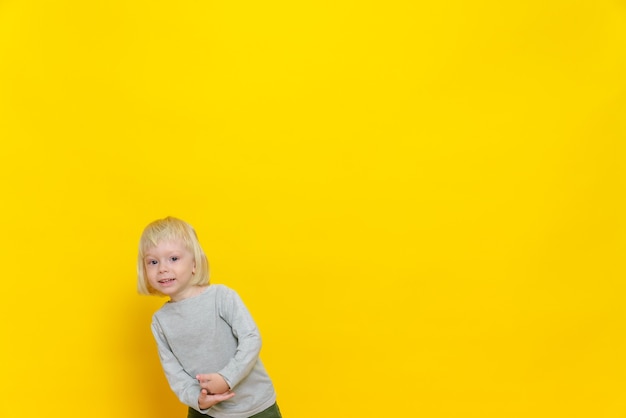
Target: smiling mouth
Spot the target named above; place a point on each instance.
(166, 281)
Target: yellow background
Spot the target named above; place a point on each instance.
(422, 203)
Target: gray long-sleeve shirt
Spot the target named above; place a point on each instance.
(213, 332)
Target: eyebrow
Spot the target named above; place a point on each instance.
(169, 254)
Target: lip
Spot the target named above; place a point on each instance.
(166, 282)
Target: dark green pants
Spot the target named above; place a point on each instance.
(271, 412)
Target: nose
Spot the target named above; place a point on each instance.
(162, 267)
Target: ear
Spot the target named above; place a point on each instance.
(193, 270)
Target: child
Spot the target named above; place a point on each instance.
(207, 341)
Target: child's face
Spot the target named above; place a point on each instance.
(169, 268)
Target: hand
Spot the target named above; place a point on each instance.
(213, 383)
(205, 400)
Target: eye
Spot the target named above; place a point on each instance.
(175, 258)
(151, 262)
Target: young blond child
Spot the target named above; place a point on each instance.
(207, 341)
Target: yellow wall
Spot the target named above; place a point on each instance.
(422, 203)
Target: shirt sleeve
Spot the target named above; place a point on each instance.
(234, 312)
(186, 387)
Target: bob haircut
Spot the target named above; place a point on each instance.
(170, 229)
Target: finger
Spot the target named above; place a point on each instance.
(224, 396)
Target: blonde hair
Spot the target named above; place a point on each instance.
(170, 229)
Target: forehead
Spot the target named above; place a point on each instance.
(167, 246)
